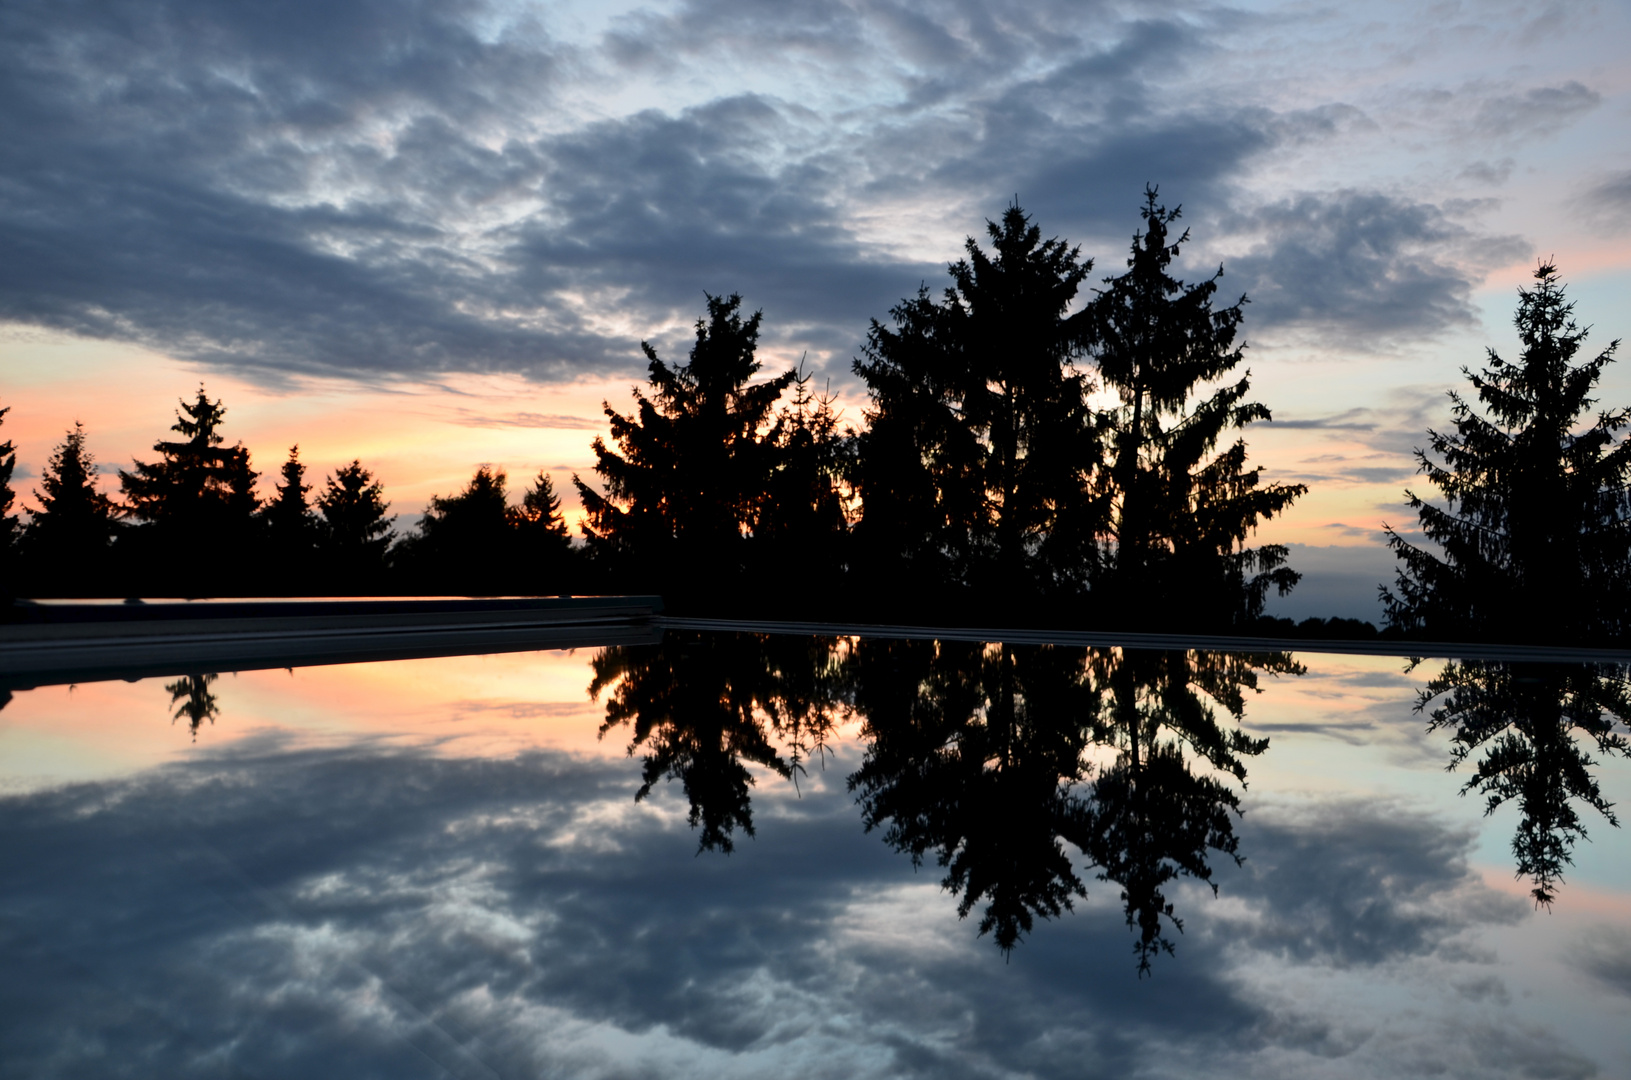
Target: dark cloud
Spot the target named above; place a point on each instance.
(1338, 581)
(1363, 270)
(1348, 420)
(1492, 173)
(1609, 201)
(279, 186)
(383, 912)
(1362, 883)
(1606, 956)
(660, 209)
(525, 710)
(382, 189)
(1541, 110)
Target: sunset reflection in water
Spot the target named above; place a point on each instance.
(440, 864)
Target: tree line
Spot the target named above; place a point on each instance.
(1027, 452)
(192, 524)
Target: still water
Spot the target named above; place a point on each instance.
(735, 855)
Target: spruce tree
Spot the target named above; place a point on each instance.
(693, 464)
(1181, 511)
(68, 537)
(10, 527)
(356, 531)
(541, 517)
(199, 485)
(197, 503)
(291, 525)
(802, 525)
(980, 446)
(547, 561)
(1533, 540)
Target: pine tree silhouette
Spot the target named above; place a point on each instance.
(1155, 817)
(802, 526)
(193, 699)
(975, 759)
(693, 465)
(703, 707)
(547, 561)
(1534, 537)
(975, 466)
(67, 544)
(1531, 726)
(10, 526)
(356, 531)
(1181, 513)
(197, 504)
(465, 543)
(292, 527)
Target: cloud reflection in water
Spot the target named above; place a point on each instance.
(365, 909)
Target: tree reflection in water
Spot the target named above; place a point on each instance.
(991, 758)
(705, 706)
(975, 755)
(1155, 818)
(1531, 724)
(192, 699)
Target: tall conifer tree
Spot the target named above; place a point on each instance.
(67, 543)
(1181, 511)
(468, 542)
(198, 485)
(980, 447)
(541, 518)
(198, 504)
(548, 562)
(802, 526)
(10, 527)
(356, 531)
(1534, 537)
(693, 463)
(291, 525)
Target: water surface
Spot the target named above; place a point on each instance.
(740, 855)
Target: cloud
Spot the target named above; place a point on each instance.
(389, 912)
(1608, 201)
(248, 188)
(376, 190)
(555, 421)
(1606, 956)
(372, 190)
(1360, 883)
(1348, 420)
(1363, 270)
(1338, 581)
(1541, 110)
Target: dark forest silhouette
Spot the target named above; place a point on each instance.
(1024, 773)
(978, 757)
(986, 484)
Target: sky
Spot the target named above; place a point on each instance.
(431, 234)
